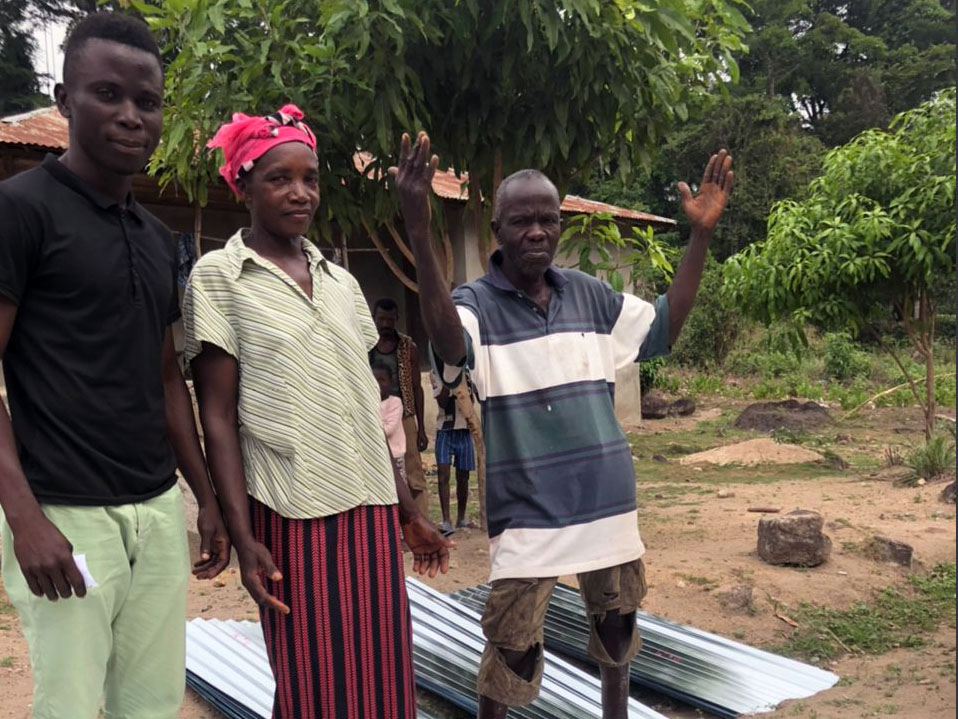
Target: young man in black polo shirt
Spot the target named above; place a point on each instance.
(100, 414)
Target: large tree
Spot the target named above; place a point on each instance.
(500, 84)
(19, 82)
(870, 243)
(850, 65)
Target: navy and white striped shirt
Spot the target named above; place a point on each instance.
(560, 485)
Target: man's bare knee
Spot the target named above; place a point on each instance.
(615, 632)
(523, 663)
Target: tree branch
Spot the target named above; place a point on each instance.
(390, 262)
(400, 243)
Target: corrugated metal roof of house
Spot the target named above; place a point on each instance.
(47, 129)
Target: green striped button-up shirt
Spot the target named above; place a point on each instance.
(308, 405)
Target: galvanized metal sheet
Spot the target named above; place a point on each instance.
(447, 646)
(226, 664)
(723, 676)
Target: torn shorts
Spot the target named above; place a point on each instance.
(515, 612)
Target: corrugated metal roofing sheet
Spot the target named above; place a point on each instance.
(226, 664)
(45, 128)
(448, 185)
(447, 646)
(706, 670)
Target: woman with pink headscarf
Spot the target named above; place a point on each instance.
(278, 339)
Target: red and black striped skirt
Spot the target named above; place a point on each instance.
(345, 649)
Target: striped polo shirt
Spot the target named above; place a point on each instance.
(308, 405)
(560, 484)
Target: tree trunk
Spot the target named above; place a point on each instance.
(197, 229)
(926, 321)
(467, 409)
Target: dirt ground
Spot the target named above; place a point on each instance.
(699, 543)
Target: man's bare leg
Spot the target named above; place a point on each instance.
(615, 632)
(442, 476)
(462, 495)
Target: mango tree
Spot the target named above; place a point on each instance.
(870, 242)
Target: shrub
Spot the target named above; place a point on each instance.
(649, 373)
(843, 359)
(711, 327)
(933, 457)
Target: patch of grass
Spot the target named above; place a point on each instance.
(705, 583)
(6, 662)
(5, 606)
(933, 457)
(897, 617)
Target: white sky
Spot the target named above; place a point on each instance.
(48, 59)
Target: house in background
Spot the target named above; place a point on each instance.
(377, 257)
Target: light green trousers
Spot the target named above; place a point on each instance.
(124, 643)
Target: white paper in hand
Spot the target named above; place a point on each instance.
(80, 560)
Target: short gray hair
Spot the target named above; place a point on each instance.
(528, 174)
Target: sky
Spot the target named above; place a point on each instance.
(48, 59)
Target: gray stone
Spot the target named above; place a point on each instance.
(948, 493)
(682, 407)
(654, 406)
(659, 458)
(885, 549)
(737, 597)
(794, 539)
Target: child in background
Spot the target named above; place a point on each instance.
(390, 413)
(453, 447)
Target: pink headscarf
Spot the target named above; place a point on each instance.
(246, 139)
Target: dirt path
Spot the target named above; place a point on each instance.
(698, 544)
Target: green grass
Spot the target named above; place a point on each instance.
(900, 616)
(6, 662)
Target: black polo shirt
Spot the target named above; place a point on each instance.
(95, 285)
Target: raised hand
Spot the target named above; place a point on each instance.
(704, 209)
(414, 181)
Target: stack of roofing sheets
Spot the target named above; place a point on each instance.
(725, 677)
(447, 645)
(226, 664)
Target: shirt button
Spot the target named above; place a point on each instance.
(548, 408)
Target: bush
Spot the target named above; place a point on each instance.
(945, 327)
(649, 373)
(933, 457)
(711, 327)
(843, 359)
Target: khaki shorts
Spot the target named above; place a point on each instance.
(515, 612)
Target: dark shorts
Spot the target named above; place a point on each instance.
(516, 610)
(454, 446)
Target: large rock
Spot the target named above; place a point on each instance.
(654, 406)
(794, 539)
(884, 549)
(790, 414)
(736, 598)
(948, 493)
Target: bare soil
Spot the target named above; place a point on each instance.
(752, 452)
(699, 543)
(788, 414)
